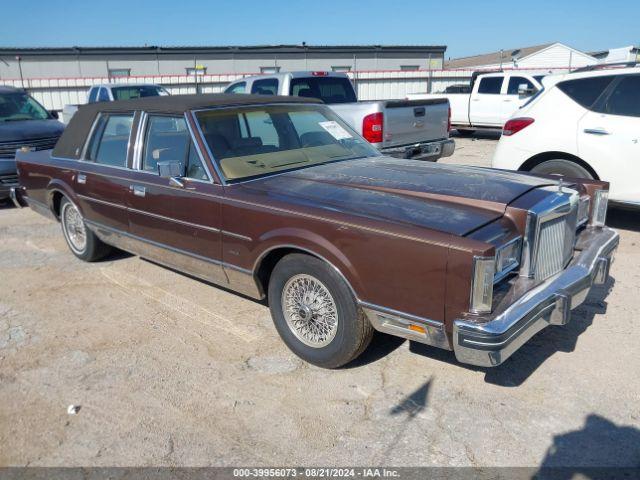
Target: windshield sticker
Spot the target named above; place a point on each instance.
(335, 130)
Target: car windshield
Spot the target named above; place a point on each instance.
(260, 140)
(17, 106)
(139, 91)
(328, 89)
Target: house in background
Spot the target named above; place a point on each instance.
(548, 56)
(618, 55)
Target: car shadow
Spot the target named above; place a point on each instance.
(524, 362)
(381, 345)
(6, 204)
(623, 218)
(600, 449)
(479, 135)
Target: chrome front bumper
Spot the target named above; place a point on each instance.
(520, 316)
(423, 151)
(16, 198)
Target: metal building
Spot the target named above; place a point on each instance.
(115, 62)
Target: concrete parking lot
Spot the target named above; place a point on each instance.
(168, 370)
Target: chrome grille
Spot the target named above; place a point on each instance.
(8, 149)
(555, 246)
(8, 179)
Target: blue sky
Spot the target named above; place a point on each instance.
(466, 27)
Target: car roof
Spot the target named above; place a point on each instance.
(8, 89)
(116, 85)
(74, 136)
(600, 72)
(296, 74)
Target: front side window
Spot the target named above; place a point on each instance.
(16, 106)
(110, 140)
(140, 91)
(328, 89)
(625, 98)
(167, 139)
(254, 141)
(236, 88)
(514, 85)
(585, 91)
(268, 86)
(490, 85)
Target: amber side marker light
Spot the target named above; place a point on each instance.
(417, 328)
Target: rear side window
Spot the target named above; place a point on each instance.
(585, 91)
(625, 98)
(237, 88)
(110, 140)
(490, 85)
(268, 86)
(328, 89)
(514, 85)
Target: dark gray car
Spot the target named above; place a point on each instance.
(23, 123)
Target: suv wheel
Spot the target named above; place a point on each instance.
(81, 241)
(563, 167)
(315, 312)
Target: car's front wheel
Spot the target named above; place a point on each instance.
(316, 313)
(81, 241)
(562, 167)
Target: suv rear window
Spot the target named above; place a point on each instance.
(585, 91)
(328, 89)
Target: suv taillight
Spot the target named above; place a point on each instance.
(373, 127)
(515, 125)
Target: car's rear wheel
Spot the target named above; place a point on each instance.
(316, 313)
(82, 242)
(562, 167)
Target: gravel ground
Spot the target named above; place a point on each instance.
(167, 370)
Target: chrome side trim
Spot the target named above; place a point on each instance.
(103, 202)
(174, 220)
(236, 235)
(399, 324)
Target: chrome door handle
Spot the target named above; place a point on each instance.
(82, 178)
(596, 131)
(138, 190)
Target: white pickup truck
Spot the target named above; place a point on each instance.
(109, 92)
(417, 129)
(494, 98)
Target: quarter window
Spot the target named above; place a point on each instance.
(625, 98)
(268, 86)
(585, 91)
(490, 85)
(110, 141)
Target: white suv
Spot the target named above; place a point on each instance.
(583, 124)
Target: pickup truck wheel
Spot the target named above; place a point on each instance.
(563, 167)
(81, 241)
(316, 313)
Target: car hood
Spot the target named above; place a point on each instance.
(447, 198)
(29, 129)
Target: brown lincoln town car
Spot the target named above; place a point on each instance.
(278, 197)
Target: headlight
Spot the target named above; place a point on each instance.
(482, 284)
(599, 211)
(507, 257)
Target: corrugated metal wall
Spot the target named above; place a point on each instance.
(54, 93)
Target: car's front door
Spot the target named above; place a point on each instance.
(609, 138)
(179, 219)
(512, 100)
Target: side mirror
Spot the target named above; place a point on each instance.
(173, 170)
(524, 90)
(54, 114)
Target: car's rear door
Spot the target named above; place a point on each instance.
(101, 180)
(179, 221)
(609, 138)
(485, 107)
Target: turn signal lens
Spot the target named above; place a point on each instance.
(482, 284)
(599, 212)
(514, 125)
(417, 328)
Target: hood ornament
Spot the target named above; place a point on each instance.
(560, 185)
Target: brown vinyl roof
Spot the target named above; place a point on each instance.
(75, 134)
(493, 58)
